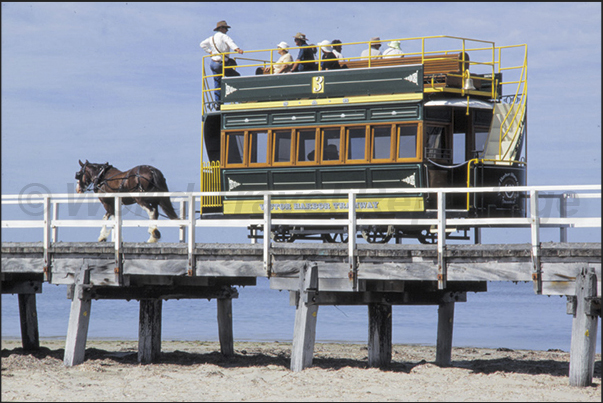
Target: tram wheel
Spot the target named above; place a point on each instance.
(379, 234)
(335, 238)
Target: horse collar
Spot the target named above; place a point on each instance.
(97, 181)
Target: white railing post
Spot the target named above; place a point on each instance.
(353, 274)
(47, 231)
(182, 237)
(441, 240)
(117, 241)
(191, 235)
(563, 214)
(535, 238)
(55, 216)
(267, 228)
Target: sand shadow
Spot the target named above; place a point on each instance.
(282, 358)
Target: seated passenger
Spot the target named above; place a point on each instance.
(393, 49)
(337, 48)
(329, 61)
(304, 55)
(375, 53)
(331, 153)
(281, 65)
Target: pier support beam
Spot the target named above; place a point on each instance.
(444, 340)
(225, 332)
(304, 331)
(584, 329)
(77, 331)
(28, 315)
(380, 335)
(149, 330)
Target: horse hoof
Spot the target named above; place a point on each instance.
(156, 234)
(152, 239)
(102, 239)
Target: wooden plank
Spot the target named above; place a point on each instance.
(304, 330)
(584, 332)
(149, 330)
(28, 315)
(380, 335)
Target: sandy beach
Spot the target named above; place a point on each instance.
(196, 371)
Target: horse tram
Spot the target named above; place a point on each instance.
(427, 145)
(449, 112)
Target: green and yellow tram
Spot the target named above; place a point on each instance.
(451, 113)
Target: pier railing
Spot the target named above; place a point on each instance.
(536, 218)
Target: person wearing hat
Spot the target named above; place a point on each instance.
(393, 49)
(216, 45)
(283, 64)
(373, 52)
(329, 60)
(305, 54)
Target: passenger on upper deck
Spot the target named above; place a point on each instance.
(393, 49)
(281, 65)
(327, 53)
(304, 55)
(337, 48)
(374, 50)
(216, 45)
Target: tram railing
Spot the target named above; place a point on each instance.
(190, 201)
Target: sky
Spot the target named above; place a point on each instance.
(121, 82)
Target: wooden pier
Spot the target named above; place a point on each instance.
(316, 274)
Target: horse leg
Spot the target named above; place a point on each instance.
(109, 205)
(104, 231)
(153, 213)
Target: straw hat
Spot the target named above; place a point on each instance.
(325, 46)
(394, 45)
(221, 24)
(375, 39)
(301, 36)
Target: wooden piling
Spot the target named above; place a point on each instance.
(29, 322)
(444, 340)
(77, 331)
(225, 332)
(584, 330)
(380, 335)
(149, 330)
(304, 331)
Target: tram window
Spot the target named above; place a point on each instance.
(259, 147)
(458, 148)
(306, 146)
(436, 143)
(282, 146)
(235, 148)
(356, 139)
(331, 143)
(382, 142)
(407, 142)
(481, 135)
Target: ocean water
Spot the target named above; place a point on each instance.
(508, 315)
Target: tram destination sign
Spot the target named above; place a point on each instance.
(324, 84)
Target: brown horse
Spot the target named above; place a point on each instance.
(104, 178)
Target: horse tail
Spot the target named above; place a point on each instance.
(164, 202)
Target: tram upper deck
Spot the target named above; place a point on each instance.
(437, 66)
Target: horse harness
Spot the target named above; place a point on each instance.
(100, 181)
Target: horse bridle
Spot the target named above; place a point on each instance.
(96, 181)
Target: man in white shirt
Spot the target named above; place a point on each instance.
(216, 45)
(374, 50)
